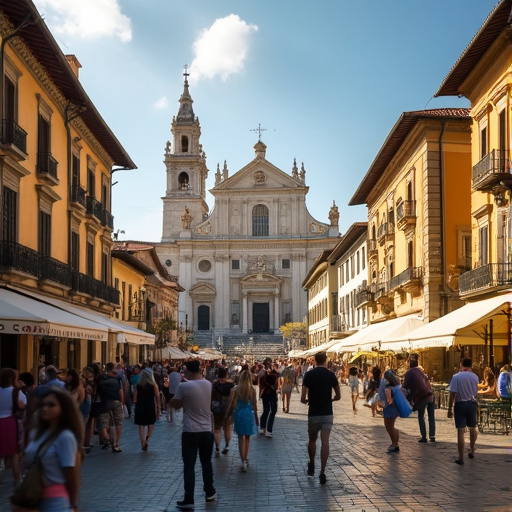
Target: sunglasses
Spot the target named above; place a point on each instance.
(49, 404)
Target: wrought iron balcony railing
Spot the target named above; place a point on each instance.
(14, 256)
(405, 214)
(78, 196)
(96, 208)
(337, 323)
(13, 134)
(492, 275)
(46, 164)
(386, 229)
(407, 277)
(492, 168)
(364, 296)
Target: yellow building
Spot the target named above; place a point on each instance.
(148, 297)
(418, 195)
(57, 156)
(483, 75)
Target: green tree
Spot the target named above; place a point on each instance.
(162, 330)
(295, 332)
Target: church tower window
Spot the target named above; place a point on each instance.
(183, 181)
(260, 220)
(184, 144)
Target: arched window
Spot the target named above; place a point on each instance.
(260, 220)
(183, 181)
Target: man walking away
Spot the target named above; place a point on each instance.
(420, 393)
(317, 393)
(463, 391)
(194, 395)
(112, 401)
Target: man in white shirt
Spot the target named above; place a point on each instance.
(463, 391)
(194, 395)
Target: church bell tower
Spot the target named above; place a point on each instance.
(185, 161)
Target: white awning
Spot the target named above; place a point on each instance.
(464, 326)
(373, 335)
(20, 314)
(124, 332)
(323, 347)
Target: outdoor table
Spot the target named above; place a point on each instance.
(494, 415)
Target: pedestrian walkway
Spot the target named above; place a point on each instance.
(361, 476)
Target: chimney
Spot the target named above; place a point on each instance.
(74, 64)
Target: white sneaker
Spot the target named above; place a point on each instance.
(262, 431)
(268, 434)
(246, 466)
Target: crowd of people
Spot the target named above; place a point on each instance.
(55, 416)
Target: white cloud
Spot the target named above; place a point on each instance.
(161, 104)
(88, 19)
(221, 49)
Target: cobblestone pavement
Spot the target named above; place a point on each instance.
(361, 476)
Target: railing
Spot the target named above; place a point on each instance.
(405, 209)
(371, 245)
(14, 256)
(96, 208)
(337, 323)
(408, 275)
(386, 228)
(12, 133)
(364, 296)
(379, 289)
(491, 275)
(46, 164)
(78, 195)
(494, 163)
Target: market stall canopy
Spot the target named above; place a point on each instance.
(467, 325)
(319, 348)
(124, 332)
(171, 353)
(209, 354)
(21, 314)
(363, 353)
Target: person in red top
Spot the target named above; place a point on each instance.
(317, 390)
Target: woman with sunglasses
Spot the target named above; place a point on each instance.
(58, 421)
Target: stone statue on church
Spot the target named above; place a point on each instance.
(186, 218)
(334, 214)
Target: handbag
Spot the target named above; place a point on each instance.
(403, 406)
(29, 491)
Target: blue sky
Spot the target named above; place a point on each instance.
(327, 79)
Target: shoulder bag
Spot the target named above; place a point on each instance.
(403, 406)
(28, 492)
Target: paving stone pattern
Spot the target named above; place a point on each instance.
(361, 476)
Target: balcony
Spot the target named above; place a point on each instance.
(78, 195)
(364, 297)
(491, 170)
(47, 167)
(486, 277)
(406, 215)
(17, 257)
(14, 140)
(386, 233)
(408, 280)
(338, 324)
(372, 249)
(96, 209)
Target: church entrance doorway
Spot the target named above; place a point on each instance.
(203, 318)
(260, 317)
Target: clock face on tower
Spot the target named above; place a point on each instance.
(168, 263)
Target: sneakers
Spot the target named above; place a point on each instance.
(432, 439)
(268, 434)
(422, 440)
(116, 449)
(225, 451)
(245, 466)
(311, 469)
(393, 449)
(186, 504)
(323, 478)
(106, 445)
(217, 453)
(212, 496)
(262, 431)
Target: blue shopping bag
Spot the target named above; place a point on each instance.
(403, 406)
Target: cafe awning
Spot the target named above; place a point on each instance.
(22, 314)
(468, 325)
(369, 337)
(124, 332)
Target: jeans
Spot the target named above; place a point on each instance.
(269, 412)
(191, 443)
(430, 406)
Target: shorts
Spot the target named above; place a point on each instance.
(319, 423)
(169, 397)
(354, 390)
(220, 421)
(465, 414)
(114, 415)
(390, 411)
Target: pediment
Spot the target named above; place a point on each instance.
(259, 175)
(260, 280)
(202, 290)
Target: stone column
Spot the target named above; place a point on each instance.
(244, 313)
(276, 311)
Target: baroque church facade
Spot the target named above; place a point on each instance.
(243, 262)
